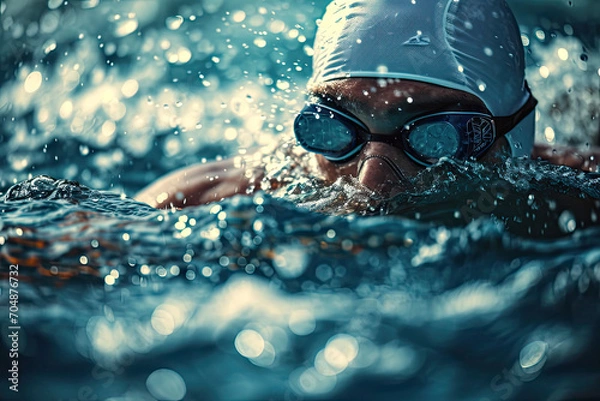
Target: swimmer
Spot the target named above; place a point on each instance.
(395, 87)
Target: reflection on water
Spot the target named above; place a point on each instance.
(484, 286)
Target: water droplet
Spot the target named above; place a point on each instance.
(563, 54)
(568, 29)
(129, 88)
(340, 351)
(126, 27)
(249, 343)
(184, 55)
(282, 85)
(33, 82)
(290, 261)
(86, 4)
(66, 110)
(54, 4)
(310, 381)
(567, 222)
(533, 356)
(302, 322)
(549, 134)
(166, 385)
(541, 35)
(49, 45)
(260, 42)
(174, 22)
(238, 16)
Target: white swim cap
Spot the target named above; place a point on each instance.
(470, 45)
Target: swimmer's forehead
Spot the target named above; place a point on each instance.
(392, 96)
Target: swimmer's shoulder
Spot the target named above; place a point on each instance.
(201, 183)
(583, 159)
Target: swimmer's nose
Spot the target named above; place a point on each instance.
(382, 169)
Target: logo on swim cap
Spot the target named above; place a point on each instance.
(418, 40)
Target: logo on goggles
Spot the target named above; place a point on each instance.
(481, 132)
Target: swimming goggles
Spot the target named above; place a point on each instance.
(338, 135)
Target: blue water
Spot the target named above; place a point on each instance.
(484, 286)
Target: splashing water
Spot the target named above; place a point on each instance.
(483, 285)
(311, 304)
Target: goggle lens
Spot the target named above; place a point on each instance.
(326, 131)
(435, 140)
(323, 134)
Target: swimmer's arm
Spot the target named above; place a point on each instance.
(198, 184)
(583, 160)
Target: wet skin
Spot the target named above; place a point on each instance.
(384, 106)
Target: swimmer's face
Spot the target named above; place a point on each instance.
(385, 106)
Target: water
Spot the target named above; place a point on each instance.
(485, 286)
(255, 298)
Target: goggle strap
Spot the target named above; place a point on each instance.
(505, 124)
